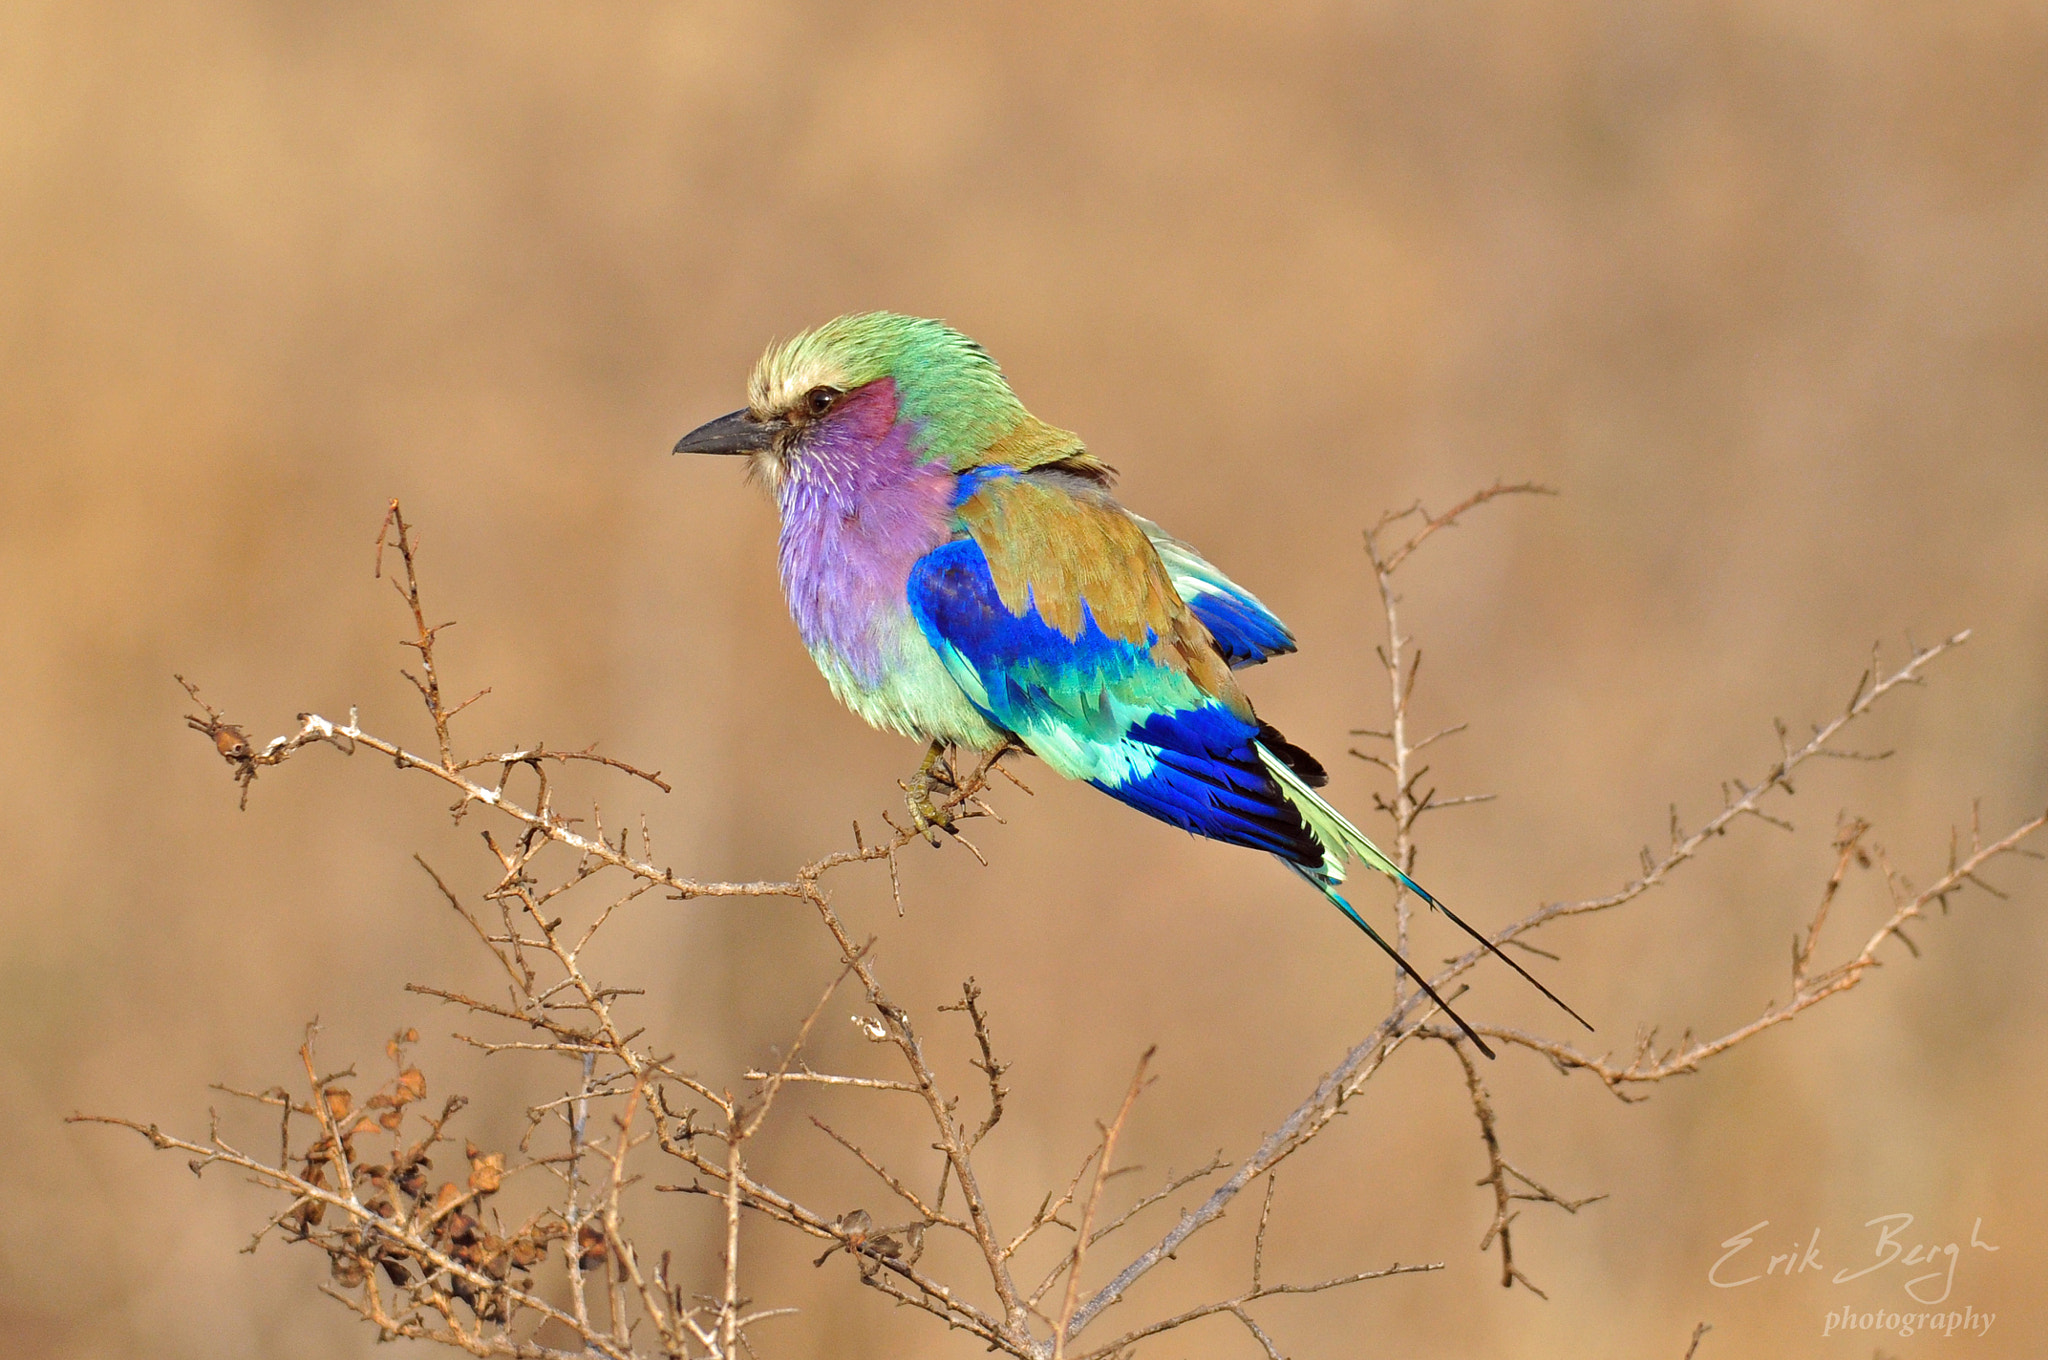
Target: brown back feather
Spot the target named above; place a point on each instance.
(1055, 543)
(1031, 443)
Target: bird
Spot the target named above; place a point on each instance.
(962, 573)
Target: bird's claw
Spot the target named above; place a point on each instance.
(929, 818)
(926, 816)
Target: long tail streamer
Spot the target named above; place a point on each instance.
(1342, 842)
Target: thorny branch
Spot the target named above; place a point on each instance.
(442, 1264)
(705, 1130)
(1499, 1173)
(1648, 1064)
(1085, 1236)
(1402, 666)
(1739, 800)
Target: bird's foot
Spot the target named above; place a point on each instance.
(928, 817)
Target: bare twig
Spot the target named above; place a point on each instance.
(1649, 1064)
(1110, 1133)
(1498, 1172)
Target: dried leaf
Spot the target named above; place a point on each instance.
(486, 1173)
(338, 1103)
(590, 1247)
(412, 1085)
(493, 1255)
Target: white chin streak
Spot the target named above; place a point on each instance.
(766, 469)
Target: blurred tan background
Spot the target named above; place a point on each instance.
(1761, 288)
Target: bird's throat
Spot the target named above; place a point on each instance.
(859, 506)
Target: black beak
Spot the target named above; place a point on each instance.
(739, 432)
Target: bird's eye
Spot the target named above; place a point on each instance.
(819, 399)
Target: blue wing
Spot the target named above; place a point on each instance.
(1246, 632)
(1111, 712)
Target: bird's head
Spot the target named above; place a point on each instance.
(848, 382)
(859, 381)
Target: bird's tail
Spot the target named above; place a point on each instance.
(1342, 842)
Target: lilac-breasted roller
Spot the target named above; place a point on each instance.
(961, 574)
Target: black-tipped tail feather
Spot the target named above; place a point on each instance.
(1297, 774)
(1399, 962)
(1412, 886)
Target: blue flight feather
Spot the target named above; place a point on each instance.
(1246, 633)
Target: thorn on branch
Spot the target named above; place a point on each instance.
(989, 1066)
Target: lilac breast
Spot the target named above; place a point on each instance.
(858, 509)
